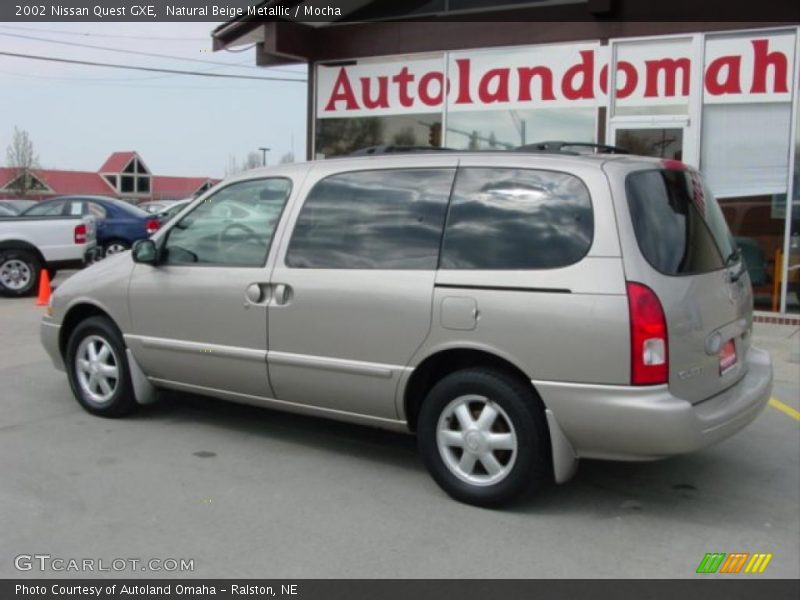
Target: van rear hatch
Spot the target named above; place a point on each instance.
(684, 252)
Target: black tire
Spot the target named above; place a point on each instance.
(531, 465)
(113, 245)
(19, 282)
(121, 401)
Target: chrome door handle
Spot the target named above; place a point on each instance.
(255, 293)
(282, 294)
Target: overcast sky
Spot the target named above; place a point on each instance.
(180, 125)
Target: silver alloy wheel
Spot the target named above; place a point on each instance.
(97, 369)
(476, 440)
(15, 274)
(115, 248)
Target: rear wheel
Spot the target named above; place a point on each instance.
(97, 369)
(483, 436)
(19, 272)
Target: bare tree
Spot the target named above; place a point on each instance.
(405, 137)
(21, 157)
(287, 158)
(251, 161)
(232, 168)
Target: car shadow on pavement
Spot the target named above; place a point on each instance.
(368, 443)
(690, 486)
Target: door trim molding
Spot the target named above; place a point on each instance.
(351, 367)
(172, 345)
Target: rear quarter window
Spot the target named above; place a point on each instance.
(517, 219)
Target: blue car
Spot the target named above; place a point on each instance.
(119, 224)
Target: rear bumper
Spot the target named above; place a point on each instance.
(647, 423)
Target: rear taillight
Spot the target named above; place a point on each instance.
(152, 225)
(649, 344)
(80, 234)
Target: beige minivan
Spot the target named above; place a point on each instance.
(516, 311)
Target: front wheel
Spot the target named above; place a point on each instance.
(19, 272)
(98, 370)
(483, 436)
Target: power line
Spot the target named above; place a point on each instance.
(153, 82)
(123, 51)
(139, 52)
(106, 35)
(148, 69)
(135, 80)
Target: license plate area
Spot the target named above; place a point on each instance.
(727, 357)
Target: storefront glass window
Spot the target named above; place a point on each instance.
(744, 150)
(660, 143)
(337, 137)
(793, 264)
(507, 129)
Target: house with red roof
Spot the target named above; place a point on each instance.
(123, 175)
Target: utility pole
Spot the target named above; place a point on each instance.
(264, 156)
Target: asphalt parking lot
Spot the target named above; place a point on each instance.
(247, 492)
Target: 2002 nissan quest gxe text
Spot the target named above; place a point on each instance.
(517, 311)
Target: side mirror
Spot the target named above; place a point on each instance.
(145, 252)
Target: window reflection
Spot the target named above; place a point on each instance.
(388, 219)
(508, 129)
(517, 219)
(232, 227)
(338, 137)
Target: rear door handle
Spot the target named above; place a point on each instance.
(282, 294)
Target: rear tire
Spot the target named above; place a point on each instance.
(98, 369)
(19, 272)
(115, 247)
(483, 436)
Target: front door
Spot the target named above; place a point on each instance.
(354, 286)
(199, 318)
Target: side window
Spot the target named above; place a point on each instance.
(49, 209)
(383, 219)
(232, 227)
(517, 219)
(95, 210)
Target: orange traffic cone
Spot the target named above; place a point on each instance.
(44, 289)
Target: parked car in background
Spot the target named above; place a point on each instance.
(173, 209)
(30, 244)
(119, 224)
(18, 205)
(6, 211)
(156, 207)
(516, 311)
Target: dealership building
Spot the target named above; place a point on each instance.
(721, 96)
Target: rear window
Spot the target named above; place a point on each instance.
(679, 226)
